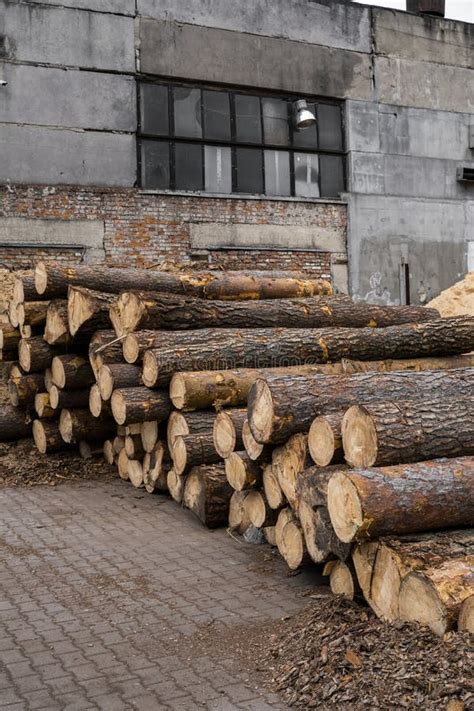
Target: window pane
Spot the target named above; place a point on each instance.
(216, 115)
(248, 127)
(187, 112)
(188, 166)
(277, 173)
(155, 164)
(218, 169)
(332, 175)
(306, 137)
(275, 121)
(306, 175)
(330, 127)
(154, 109)
(249, 170)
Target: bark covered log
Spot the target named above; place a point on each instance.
(9, 339)
(195, 423)
(104, 348)
(227, 431)
(207, 494)
(35, 355)
(32, 313)
(418, 364)
(406, 498)
(242, 472)
(114, 376)
(72, 372)
(77, 425)
(68, 399)
(43, 406)
(14, 423)
(279, 406)
(190, 450)
(384, 433)
(135, 345)
(88, 310)
(24, 289)
(130, 405)
(23, 388)
(258, 510)
(47, 437)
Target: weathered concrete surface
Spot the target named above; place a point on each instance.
(328, 23)
(63, 36)
(86, 234)
(117, 7)
(46, 156)
(205, 54)
(68, 98)
(206, 236)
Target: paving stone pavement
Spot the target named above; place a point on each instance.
(104, 590)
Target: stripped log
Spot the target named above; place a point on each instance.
(135, 405)
(258, 510)
(239, 520)
(279, 406)
(272, 488)
(409, 431)
(176, 486)
(104, 348)
(14, 423)
(149, 435)
(68, 399)
(207, 494)
(227, 431)
(242, 472)
(43, 406)
(325, 439)
(114, 376)
(156, 465)
(47, 437)
(77, 425)
(466, 615)
(72, 372)
(194, 423)
(255, 450)
(190, 450)
(23, 388)
(88, 310)
(35, 355)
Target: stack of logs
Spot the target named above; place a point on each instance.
(342, 433)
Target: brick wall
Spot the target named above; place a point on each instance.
(145, 229)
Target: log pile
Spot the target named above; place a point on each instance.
(340, 433)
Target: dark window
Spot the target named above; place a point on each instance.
(220, 141)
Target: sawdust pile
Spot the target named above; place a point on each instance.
(339, 655)
(458, 300)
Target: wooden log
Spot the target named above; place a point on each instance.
(9, 338)
(406, 498)
(122, 464)
(242, 472)
(135, 472)
(95, 401)
(130, 405)
(279, 406)
(48, 380)
(72, 372)
(190, 450)
(135, 345)
(14, 423)
(88, 310)
(109, 454)
(43, 406)
(325, 439)
(227, 431)
(156, 465)
(91, 450)
(382, 565)
(47, 437)
(343, 579)
(35, 354)
(118, 443)
(255, 450)
(77, 425)
(208, 388)
(234, 286)
(134, 447)
(133, 428)
(192, 423)
(417, 364)
(104, 348)
(23, 389)
(466, 615)
(68, 399)
(56, 331)
(207, 494)
(269, 533)
(283, 517)
(258, 510)
(289, 463)
(292, 546)
(24, 288)
(390, 433)
(176, 485)
(13, 314)
(272, 488)
(239, 520)
(32, 313)
(149, 435)
(114, 376)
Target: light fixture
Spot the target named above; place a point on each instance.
(304, 117)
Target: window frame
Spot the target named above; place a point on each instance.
(233, 144)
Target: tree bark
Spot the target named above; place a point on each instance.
(407, 498)
(23, 389)
(72, 372)
(77, 425)
(239, 520)
(258, 510)
(35, 355)
(279, 406)
(114, 376)
(242, 472)
(88, 310)
(104, 348)
(47, 437)
(68, 399)
(418, 364)
(227, 431)
(131, 405)
(156, 465)
(9, 339)
(325, 439)
(195, 423)
(208, 388)
(190, 450)
(14, 423)
(207, 494)
(43, 406)
(384, 433)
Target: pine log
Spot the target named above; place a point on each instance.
(135, 472)
(32, 313)
(176, 486)
(406, 498)
(47, 437)
(95, 401)
(325, 439)
(77, 425)
(343, 579)
(192, 423)
(48, 380)
(56, 331)
(72, 372)
(242, 472)
(272, 488)
(24, 288)
(35, 354)
(258, 510)
(279, 406)
(229, 286)
(390, 433)
(239, 520)
(207, 494)
(135, 405)
(9, 338)
(88, 310)
(14, 423)
(109, 454)
(156, 465)
(89, 450)
(227, 431)
(466, 615)
(114, 376)
(104, 348)
(122, 464)
(382, 565)
(134, 447)
(68, 399)
(289, 463)
(135, 345)
(23, 389)
(43, 406)
(284, 516)
(190, 450)
(292, 546)
(149, 435)
(255, 450)
(418, 364)
(208, 388)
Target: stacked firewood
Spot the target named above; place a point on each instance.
(342, 433)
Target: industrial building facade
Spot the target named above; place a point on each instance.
(146, 131)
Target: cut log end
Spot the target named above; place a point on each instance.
(131, 349)
(224, 435)
(261, 411)
(135, 472)
(58, 372)
(321, 442)
(150, 369)
(239, 520)
(109, 454)
(359, 437)
(24, 355)
(105, 381)
(175, 485)
(179, 455)
(341, 580)
(178, 391)
(291, 545)
(466, 615)
(95, 401)
(344, 507)
(149, 435)
(119, 407)
(122, 464)
(419, 602)
(39, 437)
(272, 488)
(253, 448)
(41, 278)
(66, 426)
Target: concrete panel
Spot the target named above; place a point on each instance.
(62, 36)
(213, 235)
(49, 156)
(423, 132)
(430, 235)
(362, 126)
(325, 22)
(69, 98)
(88, 234)
(203, 54)
(424, 85)
(116, 7)
(426, 39)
